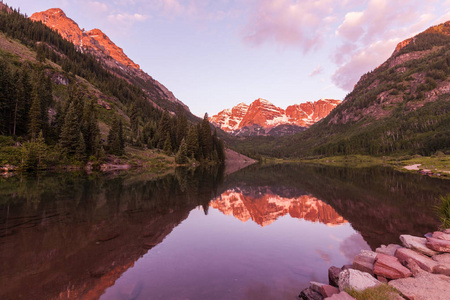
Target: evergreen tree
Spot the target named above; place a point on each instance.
(168, 145)
(181, 157)
(205, 137)
(70, 139)
(90, 129)
(192, 141)
(115, 137)
(35, 118)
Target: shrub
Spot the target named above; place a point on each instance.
(380, 292)
(443, 210)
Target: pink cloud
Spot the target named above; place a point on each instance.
(288, 22)
(369, 36)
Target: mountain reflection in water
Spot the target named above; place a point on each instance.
(134, 236)
(264, 207)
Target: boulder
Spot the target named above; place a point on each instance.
(389, 267)
(310, 294)
(324, 289)
(416, 243)
(444, 263)
(357, 280)
(424, 287)
(441, 235)
(438, 245)
(364, 261)
(341, 296)
(388, 250)
(333, 276)
(328, 290)
(423, 261)
(447, 230)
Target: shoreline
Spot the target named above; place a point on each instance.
(417, 269)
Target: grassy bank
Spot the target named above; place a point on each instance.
(439, 164)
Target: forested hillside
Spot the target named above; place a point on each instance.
(401, 107)
(60, 106)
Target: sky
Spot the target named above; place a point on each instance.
(214, 54)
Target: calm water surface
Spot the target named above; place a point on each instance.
(261, 233)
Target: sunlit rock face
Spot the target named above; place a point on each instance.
(261, 116)
(94, 40)
(264, 207)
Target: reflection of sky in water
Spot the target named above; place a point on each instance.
(219, 257)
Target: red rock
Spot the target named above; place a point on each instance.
(94, 40)
(382, 279)
(328, 290)
(263, 113)
(426, 263)
(438, 245)
(388, 250)
(441, 235)
(389, 267)
(447, 231)
(365, 261)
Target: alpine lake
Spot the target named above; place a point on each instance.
(263, 232)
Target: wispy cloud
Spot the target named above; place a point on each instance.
(318, 70)
(127, 18)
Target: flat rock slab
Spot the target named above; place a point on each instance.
(390, 267)
(388, 250)
(441, 235)
(438, 245)
(357, 280)
(328, 290)
(364, 261)
(416, 243)
(425, 287)
(424, 262)
(444, 263)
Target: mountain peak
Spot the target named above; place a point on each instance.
(94, 41)
(262, 115)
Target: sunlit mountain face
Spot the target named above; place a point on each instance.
(264, 206)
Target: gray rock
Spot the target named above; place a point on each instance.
(357, 280)
(365, 261)
(416, 243)
(424, 287)
(423, 261)
(388, 250)
(340, 296)
(310, 294)
(333, 276)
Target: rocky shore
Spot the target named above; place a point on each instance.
(417, 270)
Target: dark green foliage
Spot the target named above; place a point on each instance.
(181, 157)
(28, 100)
(115, 138)
(443, 210)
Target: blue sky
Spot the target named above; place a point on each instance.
(214, 54)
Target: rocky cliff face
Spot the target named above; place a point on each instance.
(261, 117)
(93, 40)
(265, 207)
(98, 44)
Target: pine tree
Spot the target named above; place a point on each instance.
(192, 141)
(115, 137)
(181, 157)
(70, 133)
(90, 129)
(168, 145)
(205, 137)
(35, 118)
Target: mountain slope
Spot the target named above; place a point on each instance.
(98, 44)
(401, 107)
(263, 118)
